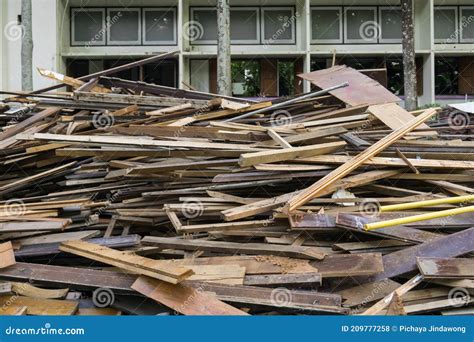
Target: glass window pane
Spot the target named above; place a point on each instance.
(124, 26)
(88, 27)
(326, 24)
(467, 24)
(243, 25)
(278, 25)
(159, 26)
(391, 24)
(206, 27)
(361, 25)
(445, 28)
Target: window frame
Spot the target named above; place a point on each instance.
(380, 36)
(375, 19)
(248, 41)
(111, 42)
(456, 30)
(192, 10)
(159, 42)
(264, 41)
(103, 41)
(461, 27)
(341, 25)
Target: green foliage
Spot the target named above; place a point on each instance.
(248, 73)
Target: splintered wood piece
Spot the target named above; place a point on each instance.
(395, 308)
(7, 255)
(133, 263)
(384, 302)
(40, 306)
(13, 310)
(28, 290)
(315, 190)
(235, 248)
(184, 299)
(446, 268)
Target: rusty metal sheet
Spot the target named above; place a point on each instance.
(361, 90)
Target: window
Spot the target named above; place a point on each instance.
(467, 24)
(159, 26)
(278, 25)
(202, 29)
(361, 25)
(87, 26)
(245, 78)
(390, 24)
(286, 78)
(326, 25)
(200, 72)
(446, 24)
(244, 25)
(446, 75)
(123, 26)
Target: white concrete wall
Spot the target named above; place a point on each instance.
(45, 47)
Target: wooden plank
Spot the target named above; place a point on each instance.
(133, 263)
(394, 116)
(314, 190)
(28, 290)
(234, 247)
(349, 265)
(7, 256)
(446, 268)
(41, 307)
(183, 299)
(59, 237)
(284, 279)
(249, 159)
(14, 310)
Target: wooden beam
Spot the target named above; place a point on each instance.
(314, 190)
(7, 256)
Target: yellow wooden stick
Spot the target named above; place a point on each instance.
(416, 218)
(427, 203)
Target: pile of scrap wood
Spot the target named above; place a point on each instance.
(122, 197)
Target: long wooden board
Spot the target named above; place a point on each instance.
(184, 299)
(446, 268)
(133, 263)
(7, 256)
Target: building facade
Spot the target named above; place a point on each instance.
(272, 41)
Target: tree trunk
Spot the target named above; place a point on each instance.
(26, 46)
(409, 66)
(224, 78)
